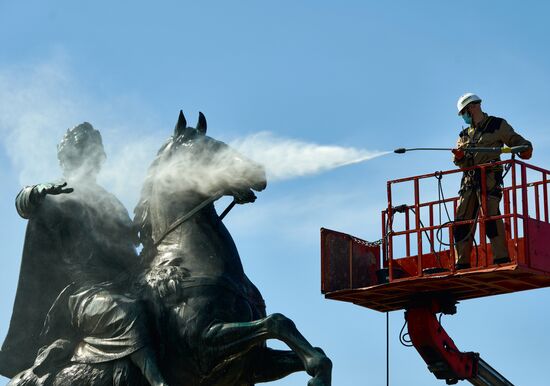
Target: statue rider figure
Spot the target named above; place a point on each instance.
(74, 302)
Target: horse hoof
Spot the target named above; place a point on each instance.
(316, 381)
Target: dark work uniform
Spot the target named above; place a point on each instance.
(490, 132)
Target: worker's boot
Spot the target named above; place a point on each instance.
(495, 232)
(500, 252)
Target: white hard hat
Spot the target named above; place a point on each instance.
(465, 100)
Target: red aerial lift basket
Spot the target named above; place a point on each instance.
(371, 275)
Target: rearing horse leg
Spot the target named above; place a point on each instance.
(234, 338)
(268, 365)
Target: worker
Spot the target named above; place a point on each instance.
(483, 131)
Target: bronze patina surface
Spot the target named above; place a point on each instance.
(90, 311)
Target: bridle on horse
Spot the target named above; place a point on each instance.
(180, 220)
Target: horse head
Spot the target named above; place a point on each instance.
(191, 168)
(195, 163)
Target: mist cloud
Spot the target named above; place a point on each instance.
(34, 107)
(286, 158)
(38, 103)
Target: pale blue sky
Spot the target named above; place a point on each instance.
(364, 74)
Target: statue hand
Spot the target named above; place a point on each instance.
(54, 189)
(244, 196)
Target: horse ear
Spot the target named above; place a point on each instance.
(201, 124)
(181, 125)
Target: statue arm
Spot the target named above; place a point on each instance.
(31, 197)
(27, 201)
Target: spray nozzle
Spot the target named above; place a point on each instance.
(515, 149)
(402, 150)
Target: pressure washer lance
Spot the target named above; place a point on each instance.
(499, 150)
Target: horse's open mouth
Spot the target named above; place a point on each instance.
(259, 186)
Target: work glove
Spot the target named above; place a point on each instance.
(459, 153)
(526, 154)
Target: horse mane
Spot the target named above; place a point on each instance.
(142, 218)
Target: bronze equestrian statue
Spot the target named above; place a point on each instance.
(190, 313)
